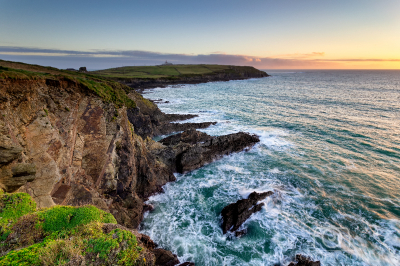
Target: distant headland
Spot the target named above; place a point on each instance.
(145, 77)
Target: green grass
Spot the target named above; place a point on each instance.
(59, 218)
(168, 71)
(13, 206)
(54, 236)
(108, 90)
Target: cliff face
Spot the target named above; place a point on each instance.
(77, 148)
(233, 73)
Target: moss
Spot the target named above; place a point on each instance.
(24, 257)
(109, 92)
(13, 206)
(59, 218)
(60, 234)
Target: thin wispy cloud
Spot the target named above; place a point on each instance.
(97, 59)
(302, 55)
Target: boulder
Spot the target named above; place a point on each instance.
(304, 261)
(235, 214)
(165, 257)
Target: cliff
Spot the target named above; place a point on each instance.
(70, 138)
(160, 76)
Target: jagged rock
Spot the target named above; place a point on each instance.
(8, 150)
(200, 154)
(304, 261)
(190, 136)
(83, 69)
(184, 153)
(165, 257)
(235, 214)
(16, 175)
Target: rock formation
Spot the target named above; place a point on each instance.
(192, 149)
(235, 214)
(304, 261)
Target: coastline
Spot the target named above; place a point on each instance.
(112, 162)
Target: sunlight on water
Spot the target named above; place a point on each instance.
(330, 151)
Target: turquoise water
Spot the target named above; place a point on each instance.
(330, 151)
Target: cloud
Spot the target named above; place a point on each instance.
(100, 59)
(299, 55)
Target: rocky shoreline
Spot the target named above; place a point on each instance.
(65, 142)
(78, 141)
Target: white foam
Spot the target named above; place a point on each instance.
(274, 171)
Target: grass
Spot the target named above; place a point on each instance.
(169, 71)
(108, 90)
(57, 235)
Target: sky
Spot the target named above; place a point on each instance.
(279, 34)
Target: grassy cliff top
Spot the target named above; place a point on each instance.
(166, 71)
(108, 90)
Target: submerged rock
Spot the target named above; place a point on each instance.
(304, 261)
(235, 214)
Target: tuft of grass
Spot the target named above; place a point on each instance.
(61, 218)
(15, 205)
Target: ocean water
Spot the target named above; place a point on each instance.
(329, 150)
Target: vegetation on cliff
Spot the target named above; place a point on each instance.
(171, 71)
(62, 235)
(108, 90)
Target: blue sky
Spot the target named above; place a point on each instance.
(267, 34)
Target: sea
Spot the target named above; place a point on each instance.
(329, 150)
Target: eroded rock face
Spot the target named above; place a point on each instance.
(76, 149)
(235, 214)
(304, 261)
(14, 172)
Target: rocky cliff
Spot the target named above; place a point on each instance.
(77, 139)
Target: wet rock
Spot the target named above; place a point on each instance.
(165, 257)
(202, 153)
(192, 149)
(302, 260)
(168, 128)
(241, 233)
(187, 264)
(190, 136)
(235, 214)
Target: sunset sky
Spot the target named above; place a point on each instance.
(296, 34)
